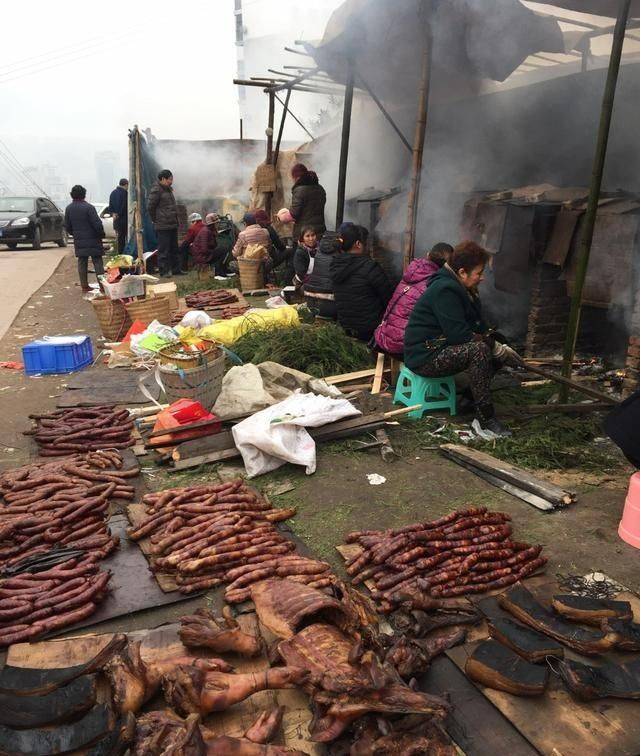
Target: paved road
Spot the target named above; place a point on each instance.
(23, 272)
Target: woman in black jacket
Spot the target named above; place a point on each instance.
(308, 199)
(361, 288)
(82, 222)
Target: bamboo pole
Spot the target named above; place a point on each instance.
(586, 236)
(418, 143)
(297, 120)
(269, 160)
(384, 112)
(285, 110)
(344, 145)
(137, 213)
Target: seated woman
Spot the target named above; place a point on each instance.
(305, 255)
(362, 289)
(389, 335)
(447, 333)
(318, 289)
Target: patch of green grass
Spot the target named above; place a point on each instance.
(190, 283)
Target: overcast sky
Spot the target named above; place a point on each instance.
(75, 76)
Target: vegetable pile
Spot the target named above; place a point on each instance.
(319, 350)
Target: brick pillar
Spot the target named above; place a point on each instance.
(548, 312)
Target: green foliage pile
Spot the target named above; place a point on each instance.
(320, 350)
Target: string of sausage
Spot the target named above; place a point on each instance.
(467, 551)
(206, 536)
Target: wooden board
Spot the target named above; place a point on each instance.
(556, 723)
(136, 514)
(162, 643)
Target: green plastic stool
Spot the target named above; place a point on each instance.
(431, 393)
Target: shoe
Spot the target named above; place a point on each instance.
(165, 275)
(495, 426)
(180, 273)
(464, 406)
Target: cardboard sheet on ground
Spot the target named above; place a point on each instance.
(164, 642)
(556, 720)
(250, 388)
(133, 587)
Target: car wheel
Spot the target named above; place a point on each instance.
(37, 239)
(12, 245)
(62, 241)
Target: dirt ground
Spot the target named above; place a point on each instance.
(337, 498)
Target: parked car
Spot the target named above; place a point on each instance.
(30, 220)
(104, 213)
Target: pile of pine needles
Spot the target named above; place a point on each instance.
(319, 350)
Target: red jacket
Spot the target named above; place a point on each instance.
(192, 232)
(204, 245)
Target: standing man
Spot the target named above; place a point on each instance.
(81, 221)
(164, 216)
(118, 202)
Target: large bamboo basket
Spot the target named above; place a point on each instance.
(251, 274)
(202, 384)
(113, 318)
(152, 308)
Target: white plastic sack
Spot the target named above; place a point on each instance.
(274, 302)
(196, 319)
(277, 434)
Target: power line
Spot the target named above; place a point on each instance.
(21, 169)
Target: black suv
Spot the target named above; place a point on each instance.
(30, 220)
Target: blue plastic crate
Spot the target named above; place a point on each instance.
(57, 354)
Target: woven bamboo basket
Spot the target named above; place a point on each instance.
(201, 384)
(251, 274)
(152, 308)
(172, 355)
(113, 318)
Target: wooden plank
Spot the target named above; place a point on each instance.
(377, 376)
(403, 410)
(510, 473)
(530, 498)
(346, 377)
(204, 459)
(580, 408)
(474, 723)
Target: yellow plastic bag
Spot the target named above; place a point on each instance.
(188, 335)
(227, 331)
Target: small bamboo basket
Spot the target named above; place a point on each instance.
(113, 318)
(251, 274)
(150, 309)
(173, 355)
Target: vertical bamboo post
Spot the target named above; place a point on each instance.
(130, 188)
(588, 224)
(138, 212)
(409, 244)
(285, 110)
(344, 144)
(269, 160)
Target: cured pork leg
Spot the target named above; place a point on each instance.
(266, 726)
(163, 733)
(203, 630)
(193, 691)
(227, 746)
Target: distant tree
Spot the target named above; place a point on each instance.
(327, 117)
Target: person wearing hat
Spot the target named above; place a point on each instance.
(308, 199)
(204, 248)
(254, 241)
(279, 251)
(195, 226)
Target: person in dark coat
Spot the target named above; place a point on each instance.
(196, 224)
(119, 203)
(447, 332)
(308, 199)
(164, 216)
(279, 252)
(205, 247)
(362, 289)
(81, 221)
(318, 288)
(304, 257)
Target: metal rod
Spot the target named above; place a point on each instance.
(297, 79)
(296, 119)
(298, 52)
(418, 142)
(566, 383)
(384, 112)
(285, 110)
(344, 144)
(588, 224)
(269, 159)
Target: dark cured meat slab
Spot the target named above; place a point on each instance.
(590, 611)
(54, 740)
(23, 681)
(532, 646)
(61, 705)
(628, 634)
(521, 604)
(589, 683)
(500, 668)
(118, 740)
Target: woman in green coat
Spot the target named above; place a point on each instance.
(447, 332)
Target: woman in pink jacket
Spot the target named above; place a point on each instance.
(389, 335)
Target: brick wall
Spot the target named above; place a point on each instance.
(548, 312)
